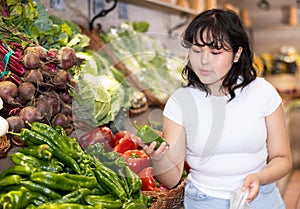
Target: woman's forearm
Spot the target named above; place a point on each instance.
(167, 172)
(277, 168)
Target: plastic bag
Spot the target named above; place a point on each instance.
(239, 200)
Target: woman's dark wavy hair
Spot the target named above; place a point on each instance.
(225, 30)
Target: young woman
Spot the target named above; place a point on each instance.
(226, 123)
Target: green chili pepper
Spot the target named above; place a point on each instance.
(140, 197)
(27, 135)
(82, 180)
(31, 206)
(21, 159)
(75, 196)
(20, 199)
(133, 204)
(99, 190)
(71, 142)
(110, 184)
(149, 135)
(133, 179)
(18, 187)
(107, 201)
(68, 206)
(41, 189)
(60, 141)
(122, 177)
(10, 180)
(43, 151)
(54, 181)
(19, 169)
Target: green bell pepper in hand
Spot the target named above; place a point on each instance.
(149, 135)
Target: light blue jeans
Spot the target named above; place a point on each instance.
(269, 197)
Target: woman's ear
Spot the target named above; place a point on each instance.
(238, 54)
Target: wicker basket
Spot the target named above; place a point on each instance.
(4, 145)
(171, 199)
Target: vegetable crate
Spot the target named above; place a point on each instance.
(170, 199)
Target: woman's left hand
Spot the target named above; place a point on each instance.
(251, 183)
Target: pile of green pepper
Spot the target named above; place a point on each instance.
(53, 171)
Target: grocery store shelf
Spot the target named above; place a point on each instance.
(163, 6)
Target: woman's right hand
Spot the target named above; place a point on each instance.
(154, 154)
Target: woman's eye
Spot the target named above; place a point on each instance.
(196, 50)
(216, 53)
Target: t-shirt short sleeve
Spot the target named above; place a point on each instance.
(273, 99)
(173, 110)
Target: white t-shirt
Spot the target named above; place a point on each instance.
(225, 140)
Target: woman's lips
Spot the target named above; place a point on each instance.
(205, 72)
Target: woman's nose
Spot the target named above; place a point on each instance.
(204, 59)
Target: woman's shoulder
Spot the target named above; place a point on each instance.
(261, 83)
(260, 88)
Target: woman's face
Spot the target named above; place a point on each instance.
(211, 65)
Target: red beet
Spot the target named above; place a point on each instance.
(34, 76)
(65, 97)
(66, 110)
(60, 120)
(30, 114)
(31, 60)
(26, 91)
(67, 57)
(53, 101)
(44, 109)
(61, 79)
(39, 50)
(15, 123)
(8, 92)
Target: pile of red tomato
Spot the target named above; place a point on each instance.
(125, 143)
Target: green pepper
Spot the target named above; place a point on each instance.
(54, 181)
(19, 169)
(124, 181)
(18, 187)
(26, 160)
(27, 135)
(133, 179)
(110, 159)
(75, 196)
(149, 135)
(31, 206)
(140, 197)
(82, 180)
(99, 190)
(133, 204)
(68, 206)
(20, 199)
(110, 184)
(71, 142)
(60, 141)
(42, 151)
(41, 189)
(107, 201)
(10, 180)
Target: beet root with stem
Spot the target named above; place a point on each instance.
(34, 76)
(30, 114)
(15, 123)
(8, 92)
(44, 109)
(26, 91)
